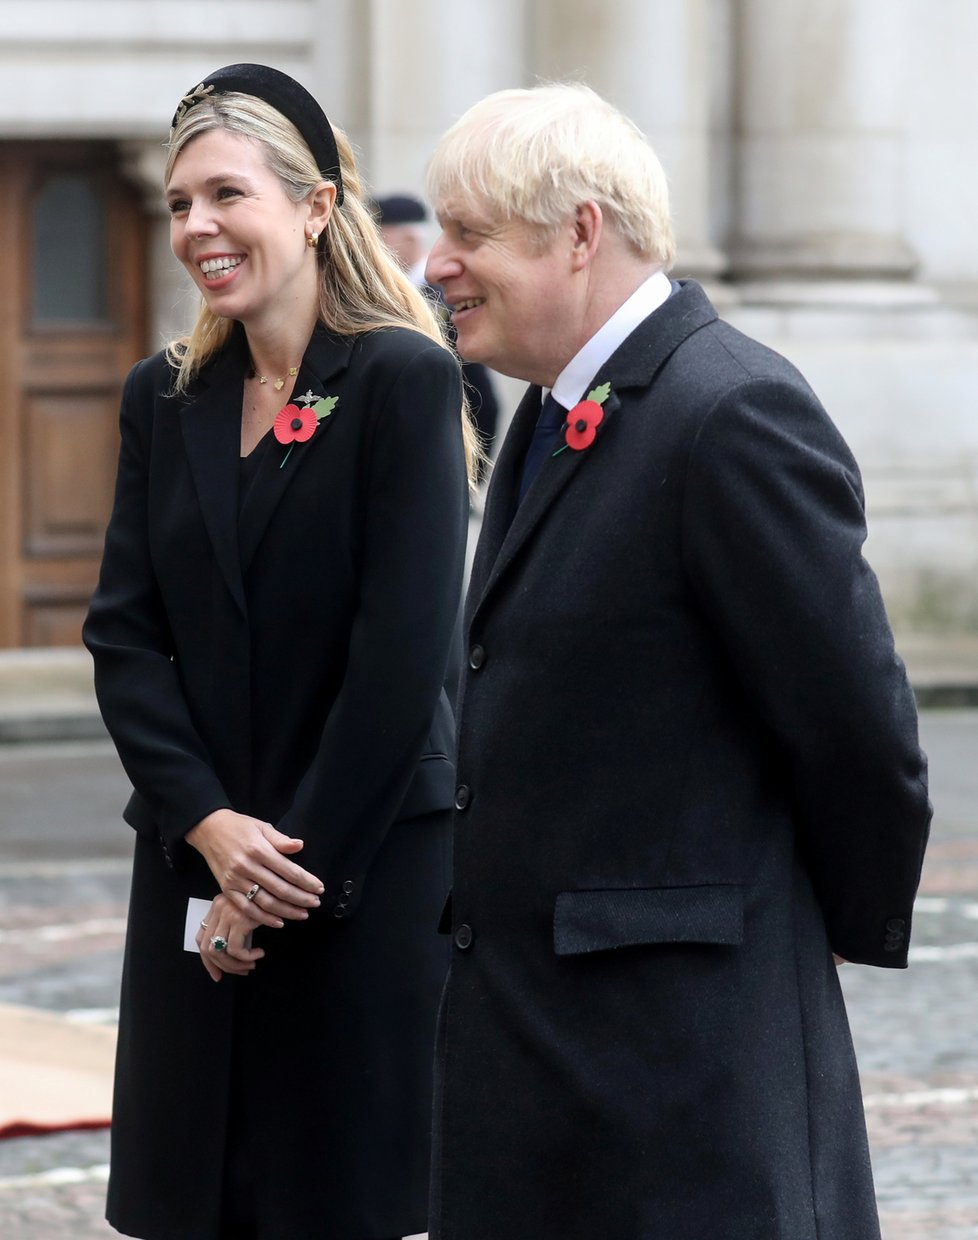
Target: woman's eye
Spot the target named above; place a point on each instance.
(178, 205)
(228, 191)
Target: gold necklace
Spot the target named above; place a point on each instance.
(277, 384)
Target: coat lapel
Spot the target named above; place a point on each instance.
(506, 537)
(211, 426)
(325, 357)
(503, 489)
(633, 365)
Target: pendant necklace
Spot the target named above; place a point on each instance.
(277, 384)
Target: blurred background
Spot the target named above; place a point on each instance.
(821, 156)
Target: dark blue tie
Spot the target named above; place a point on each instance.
(544, 442)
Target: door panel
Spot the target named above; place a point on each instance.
(72, 321)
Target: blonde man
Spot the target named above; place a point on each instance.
(687, 758)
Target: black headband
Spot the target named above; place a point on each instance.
(284, 93)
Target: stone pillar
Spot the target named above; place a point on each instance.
(820, 98)
(173, 296)
(428, 61)
(652, 60)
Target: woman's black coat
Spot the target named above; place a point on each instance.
(288, 662)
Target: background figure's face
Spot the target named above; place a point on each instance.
(233, 227)
(513, 303)
(405, 242)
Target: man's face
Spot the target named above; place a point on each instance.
(512, 302)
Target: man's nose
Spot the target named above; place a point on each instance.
(441, 266)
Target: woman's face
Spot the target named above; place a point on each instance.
(238, 234)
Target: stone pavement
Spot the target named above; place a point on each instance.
(63, 896)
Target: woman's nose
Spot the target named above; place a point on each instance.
(200, 221)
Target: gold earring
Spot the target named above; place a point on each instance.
(312, 240)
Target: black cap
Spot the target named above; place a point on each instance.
(284, 93)
(401, 209)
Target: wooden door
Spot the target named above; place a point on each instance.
(72, 322)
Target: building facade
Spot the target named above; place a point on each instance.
(819, 156)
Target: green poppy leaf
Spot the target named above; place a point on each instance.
(323, 408)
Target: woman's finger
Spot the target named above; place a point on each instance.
(227, 952)
(278, 888)
(266, 911)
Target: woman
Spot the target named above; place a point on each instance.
(271, 634)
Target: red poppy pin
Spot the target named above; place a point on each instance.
(294, 425)
(584, 419)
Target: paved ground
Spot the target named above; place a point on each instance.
(63, 892)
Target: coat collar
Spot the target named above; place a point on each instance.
(211, 424)
(633, 365)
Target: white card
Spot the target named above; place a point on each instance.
(197, 911)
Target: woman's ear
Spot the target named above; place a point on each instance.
(321, 203)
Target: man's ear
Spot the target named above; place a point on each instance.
(588, 223)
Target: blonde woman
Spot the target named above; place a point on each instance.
(271, 635)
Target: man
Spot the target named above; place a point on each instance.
(687, 759)
(402, 219)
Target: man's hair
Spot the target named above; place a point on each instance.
(537, 154)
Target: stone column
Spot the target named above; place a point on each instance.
(820, 97)
(174, 298)
(429, 60)
(652, 60)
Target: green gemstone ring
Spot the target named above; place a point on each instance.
(219, 943)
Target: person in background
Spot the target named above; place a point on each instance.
(687, 755)
(271, 634)
(403, 219)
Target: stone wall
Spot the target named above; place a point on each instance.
(821, 156)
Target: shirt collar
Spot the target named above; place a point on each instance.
(571, 384)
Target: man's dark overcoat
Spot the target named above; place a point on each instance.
(689, 771)
(287, 661)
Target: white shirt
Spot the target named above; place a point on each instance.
(571, 384)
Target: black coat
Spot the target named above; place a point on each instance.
(688, 770)
(290, 665)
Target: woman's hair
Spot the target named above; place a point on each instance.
(537, 154)
(361, 287)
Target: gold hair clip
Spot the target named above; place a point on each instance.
(188, 101)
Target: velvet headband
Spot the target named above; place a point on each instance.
(287, 96)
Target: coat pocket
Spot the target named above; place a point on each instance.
(595, 921)
(431, 788)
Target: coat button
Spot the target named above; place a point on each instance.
(477, 656)
(348, 886)
(896, 925)
(463, 938)
(463, 795)
(340, 909)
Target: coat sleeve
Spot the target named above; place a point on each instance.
(414, 548)
(127, 632)
(773, 528)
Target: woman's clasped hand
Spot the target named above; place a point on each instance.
(243, 852)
